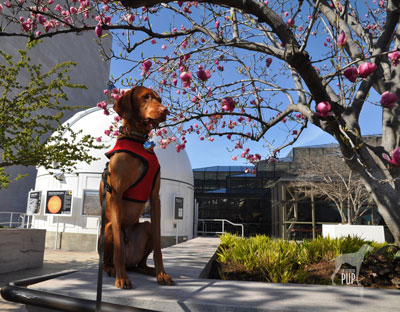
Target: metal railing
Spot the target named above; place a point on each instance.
(17, 219)
(204, 230)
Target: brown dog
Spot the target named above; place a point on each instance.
(133, 177)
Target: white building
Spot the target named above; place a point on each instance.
(78, 228)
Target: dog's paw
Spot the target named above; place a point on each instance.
(165, 279)
(123, 283)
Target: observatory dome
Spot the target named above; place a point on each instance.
(174, 166)
(79, 216)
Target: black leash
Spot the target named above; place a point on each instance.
(101, 247)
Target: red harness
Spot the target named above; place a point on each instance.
(141, 189)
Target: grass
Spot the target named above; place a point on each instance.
(281, 261)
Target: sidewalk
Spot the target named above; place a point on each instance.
(54, 261)
(185, 263)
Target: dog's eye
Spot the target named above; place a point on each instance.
(146, 96)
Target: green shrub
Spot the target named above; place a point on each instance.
(281, 261)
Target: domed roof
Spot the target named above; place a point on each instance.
(174, 166)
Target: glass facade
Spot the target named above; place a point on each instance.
(271, 200)
(227, 192)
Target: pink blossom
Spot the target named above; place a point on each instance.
(388, 99)
(48, 26)
(342, 39)
(186, 78)
(268, 61)
(98, 139)
(395, 57)
(41, 19)
(146, 65)
(202, 74)
(98, 30)
(351, 73)
(228, 104)
(102, 105)
(395, 160)
(366, 69)
(324, 109)
(217, 24)
(290, 22)
(1, 8)
(58, 8)
(26, 26)
(107, 132)
(130, 18)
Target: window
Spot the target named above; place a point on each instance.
(91, 203)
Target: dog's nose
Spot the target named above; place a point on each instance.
(164, 110)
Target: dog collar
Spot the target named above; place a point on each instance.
(126, 131)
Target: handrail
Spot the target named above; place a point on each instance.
(18, 291)
(223, 226)
(19, 223)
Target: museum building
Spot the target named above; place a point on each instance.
(271, 198)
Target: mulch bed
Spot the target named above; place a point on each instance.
(376, 272)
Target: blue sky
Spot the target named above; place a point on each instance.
(219, 152)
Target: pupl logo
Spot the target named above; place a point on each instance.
(354, 259)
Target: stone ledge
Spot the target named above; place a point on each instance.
(21, 249)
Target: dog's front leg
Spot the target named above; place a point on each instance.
(122, 281)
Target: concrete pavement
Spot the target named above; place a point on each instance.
(54, 261)
(185, 263)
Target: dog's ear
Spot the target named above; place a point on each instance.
(124, 106)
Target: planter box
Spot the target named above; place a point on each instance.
(367, 232)
(21, 249)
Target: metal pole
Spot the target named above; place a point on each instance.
(11, 217)
(55, 243)
(313, 214)
(177, 233)
(98, 234)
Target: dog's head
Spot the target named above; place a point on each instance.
(141, 107)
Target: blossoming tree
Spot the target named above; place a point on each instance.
(240, 68)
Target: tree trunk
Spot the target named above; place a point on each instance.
(382, 190)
